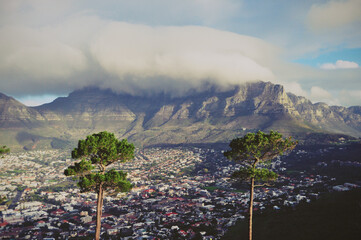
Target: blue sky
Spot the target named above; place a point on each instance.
(327, 56)
(49, 48)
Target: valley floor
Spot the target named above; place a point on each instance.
(179, 193)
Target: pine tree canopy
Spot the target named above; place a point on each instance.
(103, 148)
(96, 153)
(258, 147)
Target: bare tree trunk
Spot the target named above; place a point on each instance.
(99, 212)
(251, 208)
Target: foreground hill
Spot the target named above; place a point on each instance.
(199, 117)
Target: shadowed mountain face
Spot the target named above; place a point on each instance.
(210, 116)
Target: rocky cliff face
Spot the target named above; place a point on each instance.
(210, 116)
(14, 114)
(329, 118)
(87, 109)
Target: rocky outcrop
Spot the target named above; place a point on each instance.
(335, 119)
(208, 116)
(14, 114)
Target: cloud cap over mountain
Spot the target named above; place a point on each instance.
(174, 58)
(130, 57)
(54, 47)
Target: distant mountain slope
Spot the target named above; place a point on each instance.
(209, 116)
(14, 114)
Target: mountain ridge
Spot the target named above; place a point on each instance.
(209, 116)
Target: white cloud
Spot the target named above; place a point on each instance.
(34, 12)
(37, 54)
(340, 64)
(350, 97)
(320, 95)
(334, 14)
(56, 47)
(128, 57)
(190, 54)
(294, 88)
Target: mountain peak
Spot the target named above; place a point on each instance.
(213, 115)
(15, 114)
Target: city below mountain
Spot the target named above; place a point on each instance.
(200, 117)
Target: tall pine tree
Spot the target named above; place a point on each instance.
(97, 152)
(254, 149)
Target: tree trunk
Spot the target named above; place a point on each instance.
(99, 212)
(251, 208)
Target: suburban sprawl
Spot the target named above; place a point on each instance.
(178, 193)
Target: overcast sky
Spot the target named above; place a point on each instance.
(49, 48)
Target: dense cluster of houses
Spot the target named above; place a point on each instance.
(200, 206)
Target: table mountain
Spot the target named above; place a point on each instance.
(199, 117)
